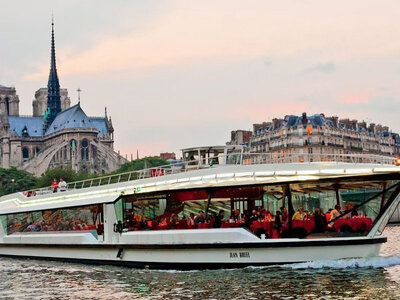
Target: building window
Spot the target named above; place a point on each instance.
(7, 106)
(84, 149)
(25, 153)
(73, 148)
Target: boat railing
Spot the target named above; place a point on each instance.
(212, 162)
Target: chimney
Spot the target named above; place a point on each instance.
(334, 119)
(304, 118)
(372, 127)
(354, 124)
(275, 122)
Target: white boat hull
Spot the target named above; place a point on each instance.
(200, 256)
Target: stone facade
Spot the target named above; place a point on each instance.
(39, 104)
(56, 135)
(322, 137)
(81, 147)
(9, 101)
(240, 137)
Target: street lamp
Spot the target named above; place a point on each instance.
(12, 181)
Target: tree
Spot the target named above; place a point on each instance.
(68, 175)
(142, 163)
(13, 180)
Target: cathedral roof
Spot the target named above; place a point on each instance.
(73, 117)
(100, 124)
(34, 125)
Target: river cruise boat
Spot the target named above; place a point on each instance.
(223, 209)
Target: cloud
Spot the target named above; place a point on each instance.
(260, 113)
(185, 73)
(216, 31)
(358, 98)
(326, 68)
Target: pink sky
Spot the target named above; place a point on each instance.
(177, 74)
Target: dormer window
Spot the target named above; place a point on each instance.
(25, 132)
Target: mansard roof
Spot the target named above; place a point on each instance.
(313, 120)
(33, 124)
(319, 120)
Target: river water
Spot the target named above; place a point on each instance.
(372, 278)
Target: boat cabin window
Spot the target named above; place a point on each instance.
(345, 207)
(88, 217)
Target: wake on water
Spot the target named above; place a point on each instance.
(350, 263)
(370, 262)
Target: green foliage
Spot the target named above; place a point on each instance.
(22, 181)
(68, 175)
(142, 163)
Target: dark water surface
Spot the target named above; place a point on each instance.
(373, 278)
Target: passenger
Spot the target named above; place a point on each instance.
(299, 215)
(328, 215)
(174, 221)
(232, 217)
(335, 212)
(319, 220)
(254, 216)
(211, 219)
(200, 218)
(54, 185)
(191, 222)
(267, 216)
(62, 185)
(219, 219)
(163, 222)
(354, 213)
(238, 217)
(284, 214)
(278, 222)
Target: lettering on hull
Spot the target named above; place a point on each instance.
(239, 254)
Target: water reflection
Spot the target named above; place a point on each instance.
(374, 278)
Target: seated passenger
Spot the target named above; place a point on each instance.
(163, 222)
(284, 214)
(254, 216)
(347, 208)
(174, 221)
(200, 218)
(191, 220)
(237, 215)
(335, 212)
(319, 220)
(328, 215)
(266, 216)
(278, 222)
(219, 219)
(299, 215)
(354, 213)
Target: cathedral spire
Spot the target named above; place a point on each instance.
(53, 85)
